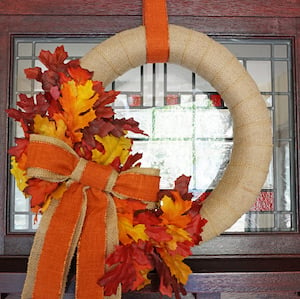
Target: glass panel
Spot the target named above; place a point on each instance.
(25, 49)
(179, 78)
(280, 51)
(130, 81)
(21, 222)
(281, 76)
(249, 50)
(187, 121)
(282, 117)
(261, 73)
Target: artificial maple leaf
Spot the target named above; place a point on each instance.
(129, 232)
(130, 263)
(114, 147)
(174, 210)
(19, 174)
(80, 75)
(34, 73)
(19, 149)
(195, 227)
(176, 265)
(178, 235)
(44, 126)
(129, 206)
(181, 185)
(77, 102)
(39, 191)
(154, 228)
(54, 61)
(98, 127)
(121, 125)
(130, 162)
(105, 98)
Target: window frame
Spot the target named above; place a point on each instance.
(71, 18)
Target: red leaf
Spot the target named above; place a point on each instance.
(181, 185)
(123, 124)
(128, 260)
(34, 73)
(55, 61)
(131, 160)
(79, 74)
(19, 149)
(39, 191)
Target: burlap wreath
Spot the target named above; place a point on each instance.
(245, 174)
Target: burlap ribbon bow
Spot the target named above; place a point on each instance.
(85, 217)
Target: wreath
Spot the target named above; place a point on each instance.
(76, 165)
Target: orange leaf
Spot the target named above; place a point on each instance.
(77, 102)
(174, 210)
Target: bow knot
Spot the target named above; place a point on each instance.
(85, 216)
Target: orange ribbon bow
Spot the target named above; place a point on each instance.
(85, 217)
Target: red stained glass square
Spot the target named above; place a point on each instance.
(216, 100)
(135, 100)
(264, 202)
(172, 99)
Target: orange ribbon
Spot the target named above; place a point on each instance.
(82, 213)
(157, 30)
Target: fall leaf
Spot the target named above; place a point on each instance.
(77, 102)
(19, 149)
(174, 210)
(129, 232)
(178, 235)
(55, 61)
(131, 264)
(19, 174)
(39, 191)
(114, 147)
(176, 265)
(181, 185)
(44, 126)
(80, 75)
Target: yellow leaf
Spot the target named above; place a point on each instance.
(44, 126)
(45, 206)
(77, 102)
(176, 265)
(19, 174)
(178, 235)
(129, 233)
(114, 147)
(174, 210)
(59, 191)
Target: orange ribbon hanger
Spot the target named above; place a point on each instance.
(157, 31)
(81, 217)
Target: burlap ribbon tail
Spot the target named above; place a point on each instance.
(84, 218)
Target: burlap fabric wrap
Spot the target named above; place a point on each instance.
(237, 190)
(85, 217)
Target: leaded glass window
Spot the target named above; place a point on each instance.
(188, 125)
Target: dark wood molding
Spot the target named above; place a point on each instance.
(215, 8)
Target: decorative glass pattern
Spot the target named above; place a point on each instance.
(189, 127)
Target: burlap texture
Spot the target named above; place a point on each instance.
(251, 154)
